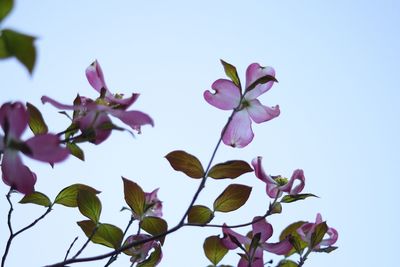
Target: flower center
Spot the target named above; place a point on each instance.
(281, 180)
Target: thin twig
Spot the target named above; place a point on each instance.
(3, 259)
(114, 257)
(86, 243)
(70, 247)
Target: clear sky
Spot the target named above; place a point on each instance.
(337, 63)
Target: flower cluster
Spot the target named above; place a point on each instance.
(254, 243)
(91, 117)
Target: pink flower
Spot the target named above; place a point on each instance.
(253, 255)
(139, 253)
(307, 229)
(153, 206)
(228, 96)
(92, 116)
(45, 147)
(276, 185)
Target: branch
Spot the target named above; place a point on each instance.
(169, 231)
(12, 234)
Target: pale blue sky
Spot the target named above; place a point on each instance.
(337, 63)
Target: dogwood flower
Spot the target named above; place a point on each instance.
(44, 147)
(275, 185)
(140, 252)
(254, 255)
(91, 116)
(228, 96)
(307, 229)
(152, 206)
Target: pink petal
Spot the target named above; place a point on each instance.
(333, 237)
(227, 95)
(226, 240)
(271, 186)
(318, 219)
(95, 76)
(123, 102)
(305, 231)
(239, 132)
(257, 260)
(46, 99)
(46, 147)
(16, 174)
(96, 121)
(255, 72)
(132, 118)
(13, 119)
(259, 171)
(297, 175)
(262, 227)
(272, 190)
(281, 248)
(260, 113)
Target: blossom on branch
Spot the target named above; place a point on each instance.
(43, 147)
(92, 116)
(152, 206)
(228, 96)
(254, 249)
(307, 230)
(275, 185)
(140, 253)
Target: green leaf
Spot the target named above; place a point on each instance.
(154, 226)
(4, 53)
(287, 263)
(153, 259)
(186, 163)
(106, 234)
(291, 232)
(5, 8)
(89, 205)
(276, 209)
(68, 196)
(134, 196)
(326, 250)
(255, 241)
(36, 121)
(37, 198)
(232, 198)
(261, 80)
(231, 72)
(318, 234)
(230, 169)
(213, 249)
(21, 46)
(293, 198)
(76, 151)
(199, 214)
(297, 243)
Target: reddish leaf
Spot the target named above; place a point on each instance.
(230, 169)
(200, 215)
(154, 226)
(134, 196)
(186, 163)
(232, 198)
